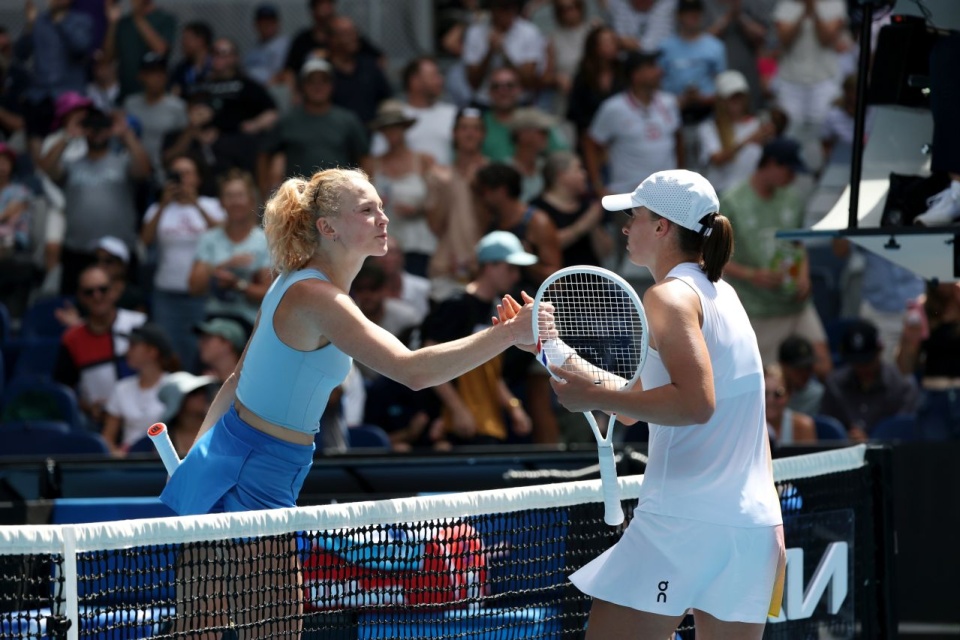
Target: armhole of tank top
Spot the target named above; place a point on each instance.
(319, 275)
(703, 310)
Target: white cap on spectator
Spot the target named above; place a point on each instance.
(115, 247)
(315, 64)
(731, 83)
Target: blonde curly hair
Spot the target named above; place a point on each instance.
(290, 215)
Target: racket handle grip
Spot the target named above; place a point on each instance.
(612, 510)
(161, 440)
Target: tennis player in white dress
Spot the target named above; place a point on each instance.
(707, 533)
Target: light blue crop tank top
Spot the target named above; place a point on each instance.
(284, 386)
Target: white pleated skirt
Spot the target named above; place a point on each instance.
(667, 565)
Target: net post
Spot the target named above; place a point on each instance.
(881, 462)
(71, 598)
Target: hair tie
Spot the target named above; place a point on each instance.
(706, 224)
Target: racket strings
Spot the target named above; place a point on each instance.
(599, 320)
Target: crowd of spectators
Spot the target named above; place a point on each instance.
(132, 172)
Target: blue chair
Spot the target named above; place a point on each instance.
(144, 445)
(368, 436)
(48, 438)
(902, 428)
(37, 357)
(35, 398)
(6, 325)
(39, 321)
(829, 428)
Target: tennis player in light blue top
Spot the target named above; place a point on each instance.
(256, 445)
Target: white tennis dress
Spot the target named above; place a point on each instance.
(707, 531)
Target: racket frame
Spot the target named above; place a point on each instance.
(613, 511)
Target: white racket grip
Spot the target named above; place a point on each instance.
(612, 511)
(161, 440)
(555, 351)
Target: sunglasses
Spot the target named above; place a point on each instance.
(91, 291)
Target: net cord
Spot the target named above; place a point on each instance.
(23, 540)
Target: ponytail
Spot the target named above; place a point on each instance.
(717, 247)
(290, 216)
(713, 245)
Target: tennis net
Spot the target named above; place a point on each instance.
(482, 565)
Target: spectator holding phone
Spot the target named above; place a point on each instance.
(174, 225)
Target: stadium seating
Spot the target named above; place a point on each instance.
(829, 428)
(895, 428)
(39, 319)
(37, 398)
(48, 438)
(37, 357)
(6, 325)
(368, 436)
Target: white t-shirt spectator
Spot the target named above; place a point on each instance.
(807, 61)
(640, 140)
(137, 408)
(523, 44)
(722, 177)
(649, 28)
(178, 235)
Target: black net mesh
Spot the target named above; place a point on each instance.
(488, 576)
(31, 604)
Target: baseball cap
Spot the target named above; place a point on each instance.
(66, 103)
(153, 335)
(681, 196)
(690, 5)
(315, 64)
(860, 342)
(796, 351)
(786, 152)
(731, 82)
(531, 118)
(633, 60)
(266, 12)
(503, 246)
(175, 388)
(229, 330)
(152, 60)
(115, 247)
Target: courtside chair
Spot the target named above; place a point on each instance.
(49, 438)
(903, 428)
(39, 320)
(37, 398)
(829, 428)
(367, 436)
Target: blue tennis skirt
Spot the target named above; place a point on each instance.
(235, 467)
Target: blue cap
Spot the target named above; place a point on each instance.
(786, 152)
(503, 246)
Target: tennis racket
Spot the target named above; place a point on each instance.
(161, 440)
(600, 330)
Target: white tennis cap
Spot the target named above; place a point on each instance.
(681, 196)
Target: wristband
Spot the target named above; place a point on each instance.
(556, 351)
